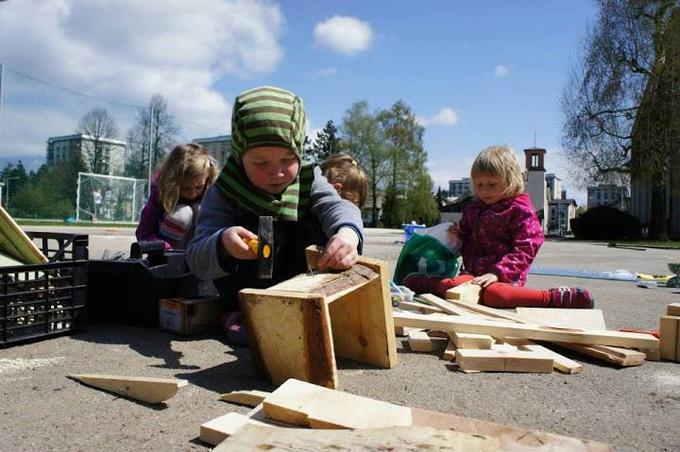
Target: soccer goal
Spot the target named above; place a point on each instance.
(112, 199)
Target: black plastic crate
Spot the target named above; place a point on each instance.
(45, 299)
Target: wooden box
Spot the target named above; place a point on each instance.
(299, 326)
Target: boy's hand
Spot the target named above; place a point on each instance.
(234, 241)
(341, 250)
(485, 280)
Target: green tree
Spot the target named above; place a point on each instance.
(325, 143)
(420, 201)
(362, 138)
(619, 101)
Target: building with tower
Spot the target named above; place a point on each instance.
(534, 182)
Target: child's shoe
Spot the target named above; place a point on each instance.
(571, 297)
(424, 283)
(234, 326)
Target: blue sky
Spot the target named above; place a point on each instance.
(475, 73)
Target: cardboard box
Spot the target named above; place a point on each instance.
(189, 316)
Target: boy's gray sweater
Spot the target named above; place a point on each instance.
(206, 256)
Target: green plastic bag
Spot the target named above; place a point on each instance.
(425, 254)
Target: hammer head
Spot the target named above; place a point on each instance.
(265, 248)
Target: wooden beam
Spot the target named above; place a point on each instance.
(503, 361)
(443, 305)
(450, 352)
(422, 307)
(419, 341)
(145, 389)
(250, 398)
(587, 319)
(467, 293)
(560, 362)
(673, 309)
(526, 331)
(300, 403)
(669, 326)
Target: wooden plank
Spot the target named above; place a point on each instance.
(673, 309)
(254, 437)
(363, 329)
(332, 284)
(526, 331)
(503, 361)
(300, 403)
(620, 356)
(587, 319)
(669, 337)
(248, 398)
(422, 307)
(504, 314)
(290, 335)
(145, 389)
(466, 293)
(443, 305)
(472, 341)
(217, 430)
(513, 438)
(561, 363)
(419, 341)
(15, 242)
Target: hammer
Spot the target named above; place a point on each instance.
(263, 247)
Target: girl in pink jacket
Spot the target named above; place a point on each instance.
(499, 236)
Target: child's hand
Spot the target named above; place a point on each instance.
(234, 241)
(454, 235)
(341, 250)
(485, 280)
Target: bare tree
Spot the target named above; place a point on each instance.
(99, 125)
(619, 71)
(152, 135)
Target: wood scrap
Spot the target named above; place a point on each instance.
(443, 305)
(422, 307)
(304, 404)
(449, 352)
(673, 309)
(503, 361)
(527, 331)
(503, 314)
(145, 389)
(466, 293)
(216, 430)
(616, 355)
(250, 398)
(471, 341)
(15, 242)
(254, 437)
(419, 341)
(561, 363)
(669, 328)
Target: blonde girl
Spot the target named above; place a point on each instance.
(347, 177)
(177, 190)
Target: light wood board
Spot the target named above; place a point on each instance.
(145, 389)
(503, 361)
(587, 319)
(15, 242)
(250, 398)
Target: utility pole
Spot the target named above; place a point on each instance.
(148, 188)
(2, 73)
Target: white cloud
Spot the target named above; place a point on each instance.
(445, 116)
(501, 71)
(347, 35)
(325, 72)
(127, 50)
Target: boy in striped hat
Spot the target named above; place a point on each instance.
(265, 175)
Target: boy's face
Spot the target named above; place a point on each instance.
(489, 189)
(271, 168)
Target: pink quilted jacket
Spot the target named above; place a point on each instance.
(502, 238)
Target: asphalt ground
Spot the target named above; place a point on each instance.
(632, 409)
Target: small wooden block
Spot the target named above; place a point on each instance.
(216, 430)
(502, 361)
(247, 398)
(467, 293)
(587, 319)
(450, 352)
(471, 340)
(561, 363)
(673, 309)
(419, 341)
(669, 337)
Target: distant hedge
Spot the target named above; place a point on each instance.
(606, 223)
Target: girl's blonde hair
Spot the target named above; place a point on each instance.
(500, 162)
(343, 169)
(185, 162)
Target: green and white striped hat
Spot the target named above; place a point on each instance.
(267, 116)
